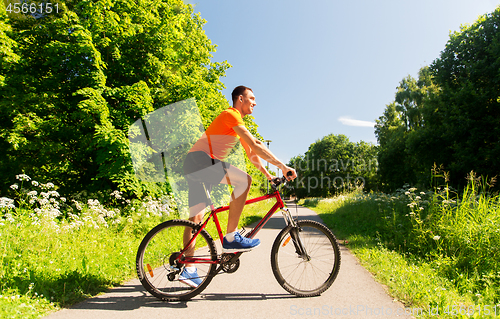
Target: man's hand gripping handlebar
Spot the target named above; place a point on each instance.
(277, 181)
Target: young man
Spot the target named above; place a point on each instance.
(205, 164)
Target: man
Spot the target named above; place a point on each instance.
(204, 165)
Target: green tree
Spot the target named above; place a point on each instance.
(449, 116)
(404, 155)
(465, 114)
(8, 58)
(85, 74)
(391, 134)
(334, 164)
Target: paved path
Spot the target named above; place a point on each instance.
(251, 292)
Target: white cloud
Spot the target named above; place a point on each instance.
(346, 120)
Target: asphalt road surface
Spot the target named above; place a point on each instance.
(252, 292)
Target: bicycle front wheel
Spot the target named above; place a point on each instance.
(159, 268)
(305, 259)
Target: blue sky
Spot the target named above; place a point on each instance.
(327, 66)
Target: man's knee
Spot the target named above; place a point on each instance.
(244, 182)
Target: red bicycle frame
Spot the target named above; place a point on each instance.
(213, 214)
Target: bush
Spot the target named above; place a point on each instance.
(457, 236)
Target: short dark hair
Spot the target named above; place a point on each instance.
(239, 90)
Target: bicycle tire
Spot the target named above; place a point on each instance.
(306, 278)
(153, 261)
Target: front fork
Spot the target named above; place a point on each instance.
(295, 230)
(288, 217)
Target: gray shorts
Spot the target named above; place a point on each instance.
(199, 169)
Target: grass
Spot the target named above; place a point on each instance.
(433, 250)
(54, 254)
(45, 268)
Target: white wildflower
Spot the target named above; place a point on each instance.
(117, 194)
(23, 177)
(47, 186)
(7, 203)
(77, 205)
(14, 186)
(53, 193)
(436, 237)
(32, 193)
(8, 217)
(53, 213)
(93, 202)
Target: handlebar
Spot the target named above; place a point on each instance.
(276, 182)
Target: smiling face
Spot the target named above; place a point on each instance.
(246, 103)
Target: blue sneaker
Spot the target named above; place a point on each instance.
(190, 279)
(239, 244)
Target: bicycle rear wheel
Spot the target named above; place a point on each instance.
(158, 269)
(312, 272)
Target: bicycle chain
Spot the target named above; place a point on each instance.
(227, 265)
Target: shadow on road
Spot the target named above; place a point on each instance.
(245, 296)
(130, 297)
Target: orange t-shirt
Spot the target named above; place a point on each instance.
(220, 138)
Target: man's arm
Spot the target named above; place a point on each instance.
(255, 160)
(258, 148)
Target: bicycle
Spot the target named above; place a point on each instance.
(305, 267)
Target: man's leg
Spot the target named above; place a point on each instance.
(189, 274)
(197, 211)
(241, 182)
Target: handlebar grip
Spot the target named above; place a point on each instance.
(280, 180)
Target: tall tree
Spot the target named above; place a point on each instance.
(449, 116)
(88, 72)
(401, 124)
(334, 164)
(468, 107)
(8, 58)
